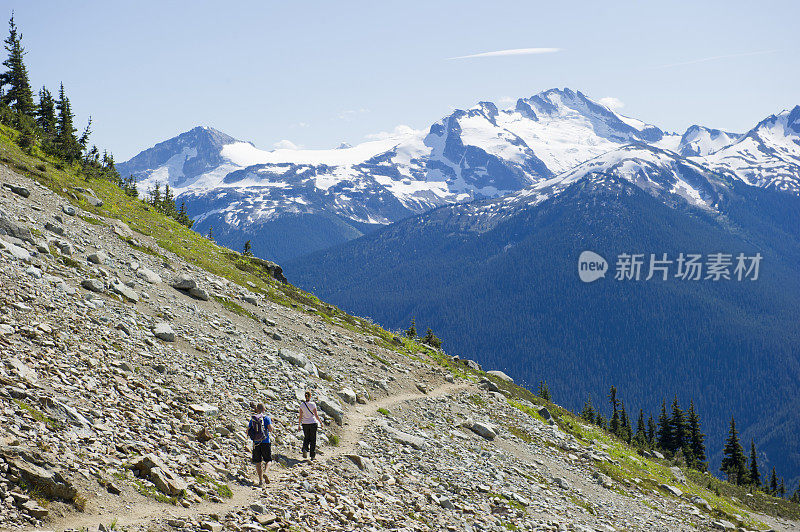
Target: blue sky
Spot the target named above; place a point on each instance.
(321, 73)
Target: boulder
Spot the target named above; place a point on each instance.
(22, 370)
(97, 258)
(54, 228)
(122, 230)
(93, 285)
(148, 276)
(19, 190)
(405, 438)
(500, 375)
(545, 413)
(69, 210)
(9, 227)
(33, 509)
(332, 408)
(298, 359)
(167, 482)
(15, 251)
(128, 293)
(163, 331)
(184, 282)
(486, 430)
(204, 409)
(348, 395)
(49, 483)
(671, 489)
(199, 293)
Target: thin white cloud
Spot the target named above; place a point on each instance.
(514, 51)
(399, 131)
(285, 145)
(349, 114)
(718, 57)
(612, 103)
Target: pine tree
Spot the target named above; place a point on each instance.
(614, 425)
(640, 438)
(411, 332)
(651, 432)
(154, 198)
(677, 423)
(46, 113)
(734, 463)
(696, 440)
(782, 489)
(167, 205)
(587, 414)
(625, 431)
(796, 495)
(664, 441)
(431, 339)
(66, 144)
(773, 482)
(600, 421)
(210, 235)
(247, 251)
(755, 475)
(543, 391)
(19, 96)
(183, 216)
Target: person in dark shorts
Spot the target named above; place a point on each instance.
(308, 422)
(258, 430)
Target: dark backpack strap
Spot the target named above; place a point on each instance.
(306, 405)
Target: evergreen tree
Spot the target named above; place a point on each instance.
(625, 431)
(614, 425)
(210, 235)
(755, 475)
(411, 332)
(679, 431)
(66, 144)
(796, 495)
(696, 440)
(664, 441)
(19, 96)
(587, 414)
(183, 216)
(84, 139)
(431, 339)
(734, 463)
(247, 247)
(640, 438)
(651, 432)
(782, 489)
(773, 482)
(167, 205)
(600, 421)
(543, 391)
(154, 197)
(46, 113)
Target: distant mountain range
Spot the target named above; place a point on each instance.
(292, 202)
(474, 228)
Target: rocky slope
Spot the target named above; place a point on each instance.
(127, 374)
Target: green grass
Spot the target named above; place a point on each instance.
(222, 490)
(150, 491)
(234, 307)
(333, 439)
(36, 414)
(93, 221)
(383, 411)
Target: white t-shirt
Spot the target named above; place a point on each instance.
(308, 412)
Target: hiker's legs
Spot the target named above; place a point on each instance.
(307, 437)
(312, 439)
(260, 472)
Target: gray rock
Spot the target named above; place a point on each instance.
(298, 359)
(54, 228)
(49, 483)
(253, 300)
(167, 482)
(332, 408)
(545, 413)
(148, 276)
(9, 227)
(163, 331)
(561, 483)
(18, 190)
(69, 210)
(93, 200)
(123, 290)
(499, 374)
(64, 247)
(93, 285)
(348, 395)
(122, 230)
(97, 257)
(15, 251)
(678, 474)
(723, 525)
(199, 293)
(483, 429)
(204, 409)
(671, 489)
(184, 282)
(33, 509)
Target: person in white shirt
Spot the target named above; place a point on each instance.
(308, 421)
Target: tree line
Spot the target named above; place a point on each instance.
(677, 435)
(48, 126)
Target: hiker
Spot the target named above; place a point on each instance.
(309, 419)
(258, 430)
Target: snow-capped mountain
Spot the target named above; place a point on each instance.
(290, 202)
(767, 156)
(700, 140)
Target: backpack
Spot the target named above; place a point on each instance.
(255, 429)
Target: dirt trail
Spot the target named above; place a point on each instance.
(133, 513)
